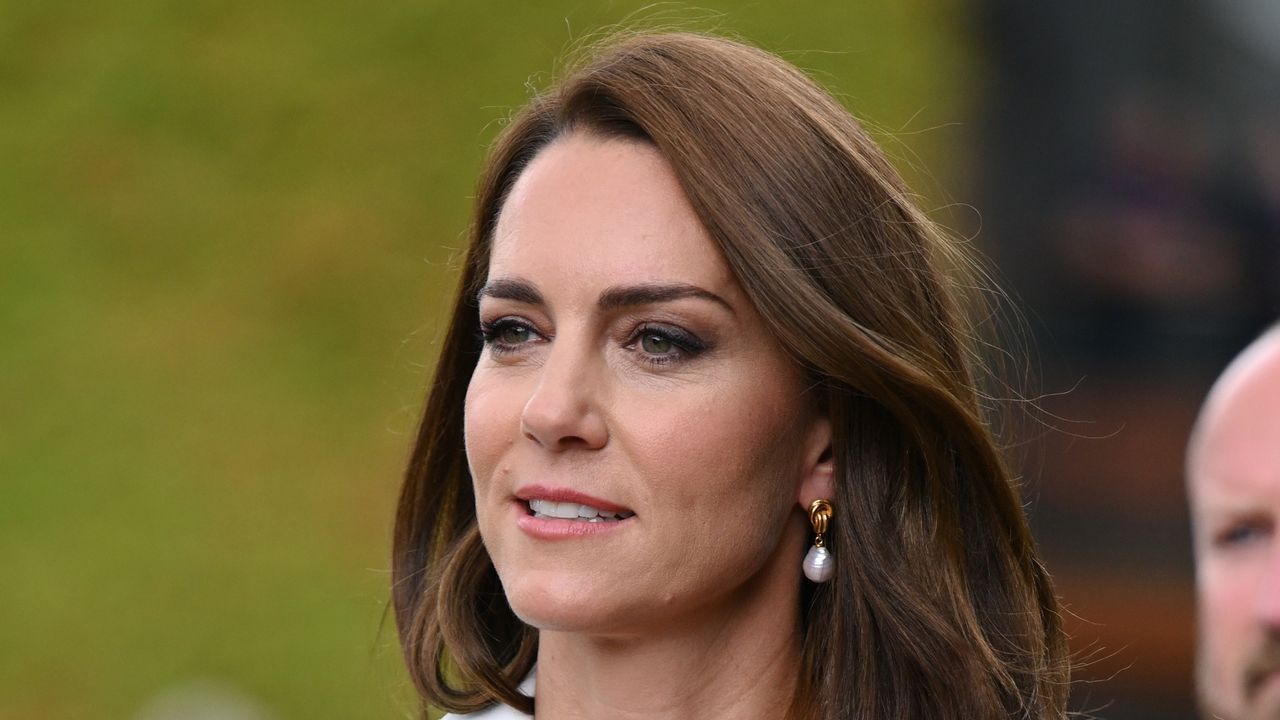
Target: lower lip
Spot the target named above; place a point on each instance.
(546, 528)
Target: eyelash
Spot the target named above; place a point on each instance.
(685, 345)
(490, 331)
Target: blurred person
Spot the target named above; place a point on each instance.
(705, 437)
(1233, 471)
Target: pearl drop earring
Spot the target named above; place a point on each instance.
(819, 565)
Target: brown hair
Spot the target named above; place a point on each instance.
(939, 607)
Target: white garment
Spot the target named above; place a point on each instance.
(500, 711)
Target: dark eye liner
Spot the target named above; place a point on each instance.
(686, 342)
(683, 339)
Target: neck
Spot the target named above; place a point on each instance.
(738, 659)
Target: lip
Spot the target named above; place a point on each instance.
(542, 492)
(545, 528)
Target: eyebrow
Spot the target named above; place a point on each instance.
(612, 298)
(511, 289)
(646, 294)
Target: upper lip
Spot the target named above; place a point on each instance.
(542, 492)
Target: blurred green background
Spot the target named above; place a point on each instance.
(226, 239)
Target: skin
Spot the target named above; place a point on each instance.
(1234, 477)
(690, 609)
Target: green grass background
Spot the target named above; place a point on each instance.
(226, 233)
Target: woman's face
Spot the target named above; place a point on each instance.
(626, 374)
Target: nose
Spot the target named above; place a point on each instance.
(1267, 602)
(563, 411)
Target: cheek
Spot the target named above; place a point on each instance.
(1227, 593)
(728, 444)
(491, 421)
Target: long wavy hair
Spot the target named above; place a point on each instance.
(940, 607)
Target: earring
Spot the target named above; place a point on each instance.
(819, 565)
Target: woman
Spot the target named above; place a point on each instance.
(704, 439)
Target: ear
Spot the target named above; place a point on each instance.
(817, 480)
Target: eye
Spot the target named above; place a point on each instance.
(512, 334)
(507, 334)
(665, 344)
(1243, 533)
(656, 344)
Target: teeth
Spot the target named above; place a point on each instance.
(573, 511)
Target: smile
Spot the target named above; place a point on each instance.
(541, 508)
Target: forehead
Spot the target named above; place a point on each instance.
(1237, 448)
(604, 210)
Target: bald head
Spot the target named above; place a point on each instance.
(1240, 420)
(1233, 473)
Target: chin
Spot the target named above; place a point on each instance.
(551, 601)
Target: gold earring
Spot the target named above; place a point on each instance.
(819, 565)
